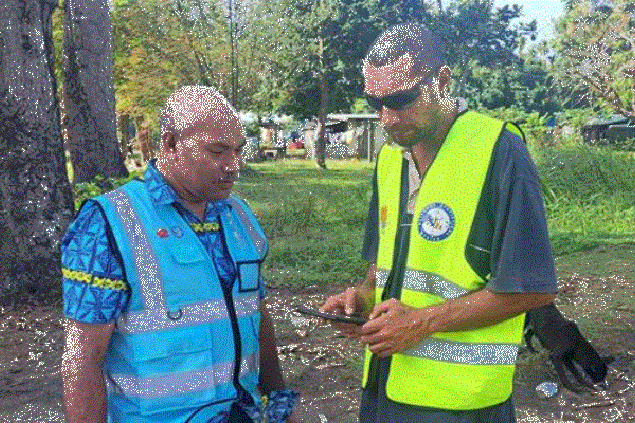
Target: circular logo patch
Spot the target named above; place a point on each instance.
(436, 222)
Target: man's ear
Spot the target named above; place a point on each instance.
(443, 81)
(168, 142)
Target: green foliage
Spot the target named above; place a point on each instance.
(583, 171)
(252, 129)
(361, 106)
(100, 185)
(589, 196)
(312, 41)
(160, 46)
(477, 35)
(576, 117)
(532, 124)
(595, 54)
(525, 85)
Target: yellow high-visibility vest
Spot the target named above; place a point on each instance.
(451, 370)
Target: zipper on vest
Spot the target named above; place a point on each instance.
(229, 302)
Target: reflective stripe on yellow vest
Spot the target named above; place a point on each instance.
(452, 370)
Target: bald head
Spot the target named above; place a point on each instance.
(411, 40)
(193, 105)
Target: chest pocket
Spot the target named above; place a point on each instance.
(188, 276)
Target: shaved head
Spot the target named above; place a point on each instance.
(412, 40)
(192, 104)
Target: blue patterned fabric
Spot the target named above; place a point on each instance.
(280, 405)
(93, 281)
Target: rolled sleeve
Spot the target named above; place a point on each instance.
(93, 284)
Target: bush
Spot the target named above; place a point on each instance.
(85, 190)
(532, 124)
(581, 171)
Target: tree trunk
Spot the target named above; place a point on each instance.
(320, 133)
(90, 100)
(36, 202)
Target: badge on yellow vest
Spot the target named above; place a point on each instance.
(436, 222)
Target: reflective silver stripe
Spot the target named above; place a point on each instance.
(415, 280)
(465, 353)
(145, 261)
(192, 314)
(433, 284)
(381, 277)
(256, 238)
(177, 383)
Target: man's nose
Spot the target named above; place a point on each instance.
(389, 117)
(234, 163)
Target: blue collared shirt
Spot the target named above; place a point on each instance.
(94, 285)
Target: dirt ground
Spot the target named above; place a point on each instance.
(326, 368)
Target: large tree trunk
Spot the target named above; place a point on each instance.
(90, 100)
(36, 202)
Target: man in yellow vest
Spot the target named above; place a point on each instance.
(457, 243)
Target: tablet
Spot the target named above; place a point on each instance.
(353, 320)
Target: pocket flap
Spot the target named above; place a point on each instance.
(156, 345)
(186, 253)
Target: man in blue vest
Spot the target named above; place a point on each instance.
(165, 319)
(457, 246)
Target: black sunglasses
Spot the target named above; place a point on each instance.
(401, 99)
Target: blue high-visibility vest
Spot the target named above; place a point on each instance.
(181, 350)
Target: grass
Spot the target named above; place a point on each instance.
(313, 218)
(589, 196)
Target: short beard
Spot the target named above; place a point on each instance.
(421, 134)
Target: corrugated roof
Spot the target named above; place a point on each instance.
(347, 116)
(611, 120)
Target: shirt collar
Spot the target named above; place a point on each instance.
(162, 192)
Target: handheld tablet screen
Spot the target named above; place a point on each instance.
(354, 320)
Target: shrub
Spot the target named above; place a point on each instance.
(85, 190)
